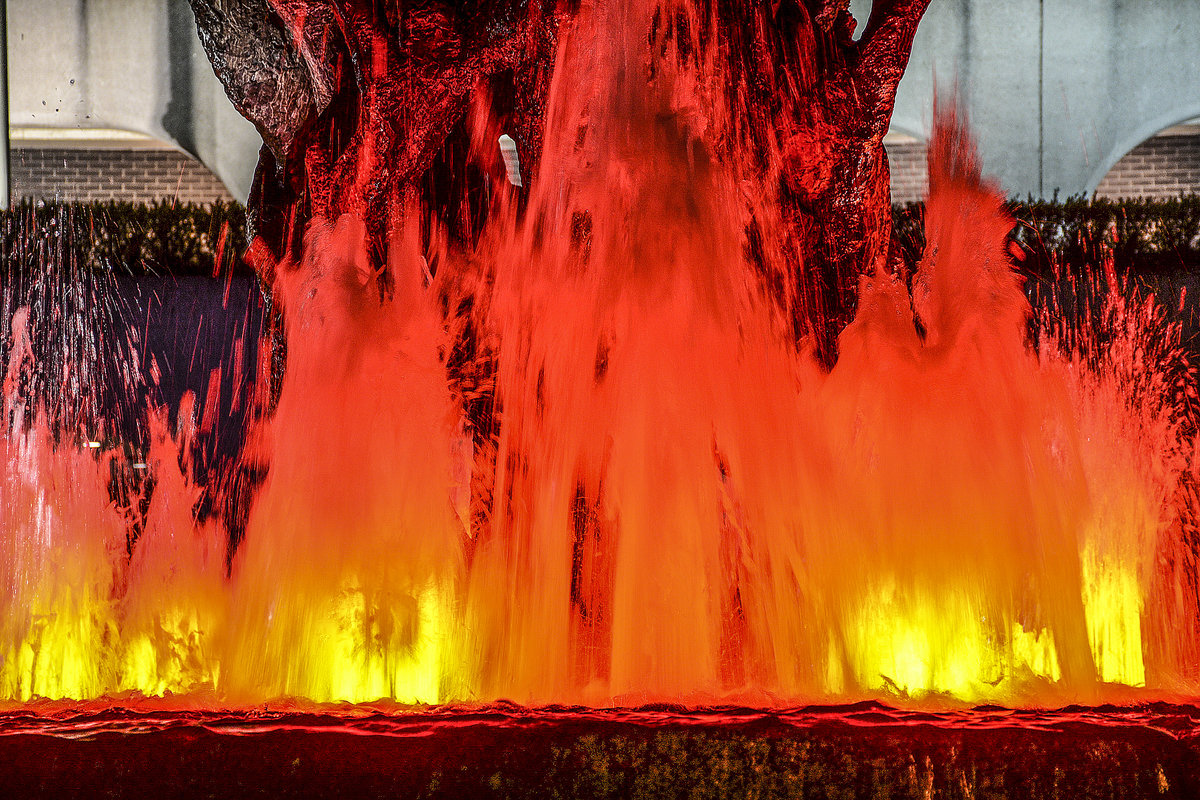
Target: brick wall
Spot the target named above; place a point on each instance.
(910, 177)
(112, 174)
(1162, 167)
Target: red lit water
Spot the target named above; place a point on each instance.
(674, 502)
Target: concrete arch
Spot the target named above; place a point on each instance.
(1138, 135)
(125, 65)
(1056, 90)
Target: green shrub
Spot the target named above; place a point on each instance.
(137, 238)
(1143, 236)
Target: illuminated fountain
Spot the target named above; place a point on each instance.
(671, 497)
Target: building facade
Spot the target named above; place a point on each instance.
(116, 99)
(1066, 97)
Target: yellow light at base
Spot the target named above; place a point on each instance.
(1113, 607)
(373, 650)
(172, 653)
(938, 643)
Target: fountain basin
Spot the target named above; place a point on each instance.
(862, 750)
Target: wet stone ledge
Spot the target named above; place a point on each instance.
(861, 753)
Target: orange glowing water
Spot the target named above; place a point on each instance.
(676, 500)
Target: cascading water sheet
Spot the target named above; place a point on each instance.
(671, 498)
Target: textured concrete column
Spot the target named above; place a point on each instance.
(1057, 90)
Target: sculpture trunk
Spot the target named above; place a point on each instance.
(359, 101)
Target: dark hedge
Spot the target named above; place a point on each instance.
(135, 238)
(1143, 236)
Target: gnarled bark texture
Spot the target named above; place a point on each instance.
(358, 101)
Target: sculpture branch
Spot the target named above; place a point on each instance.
(357, 100)
(254, 56)
(883, 52)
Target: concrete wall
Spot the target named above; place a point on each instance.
(1057, 90)
(118, 66)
